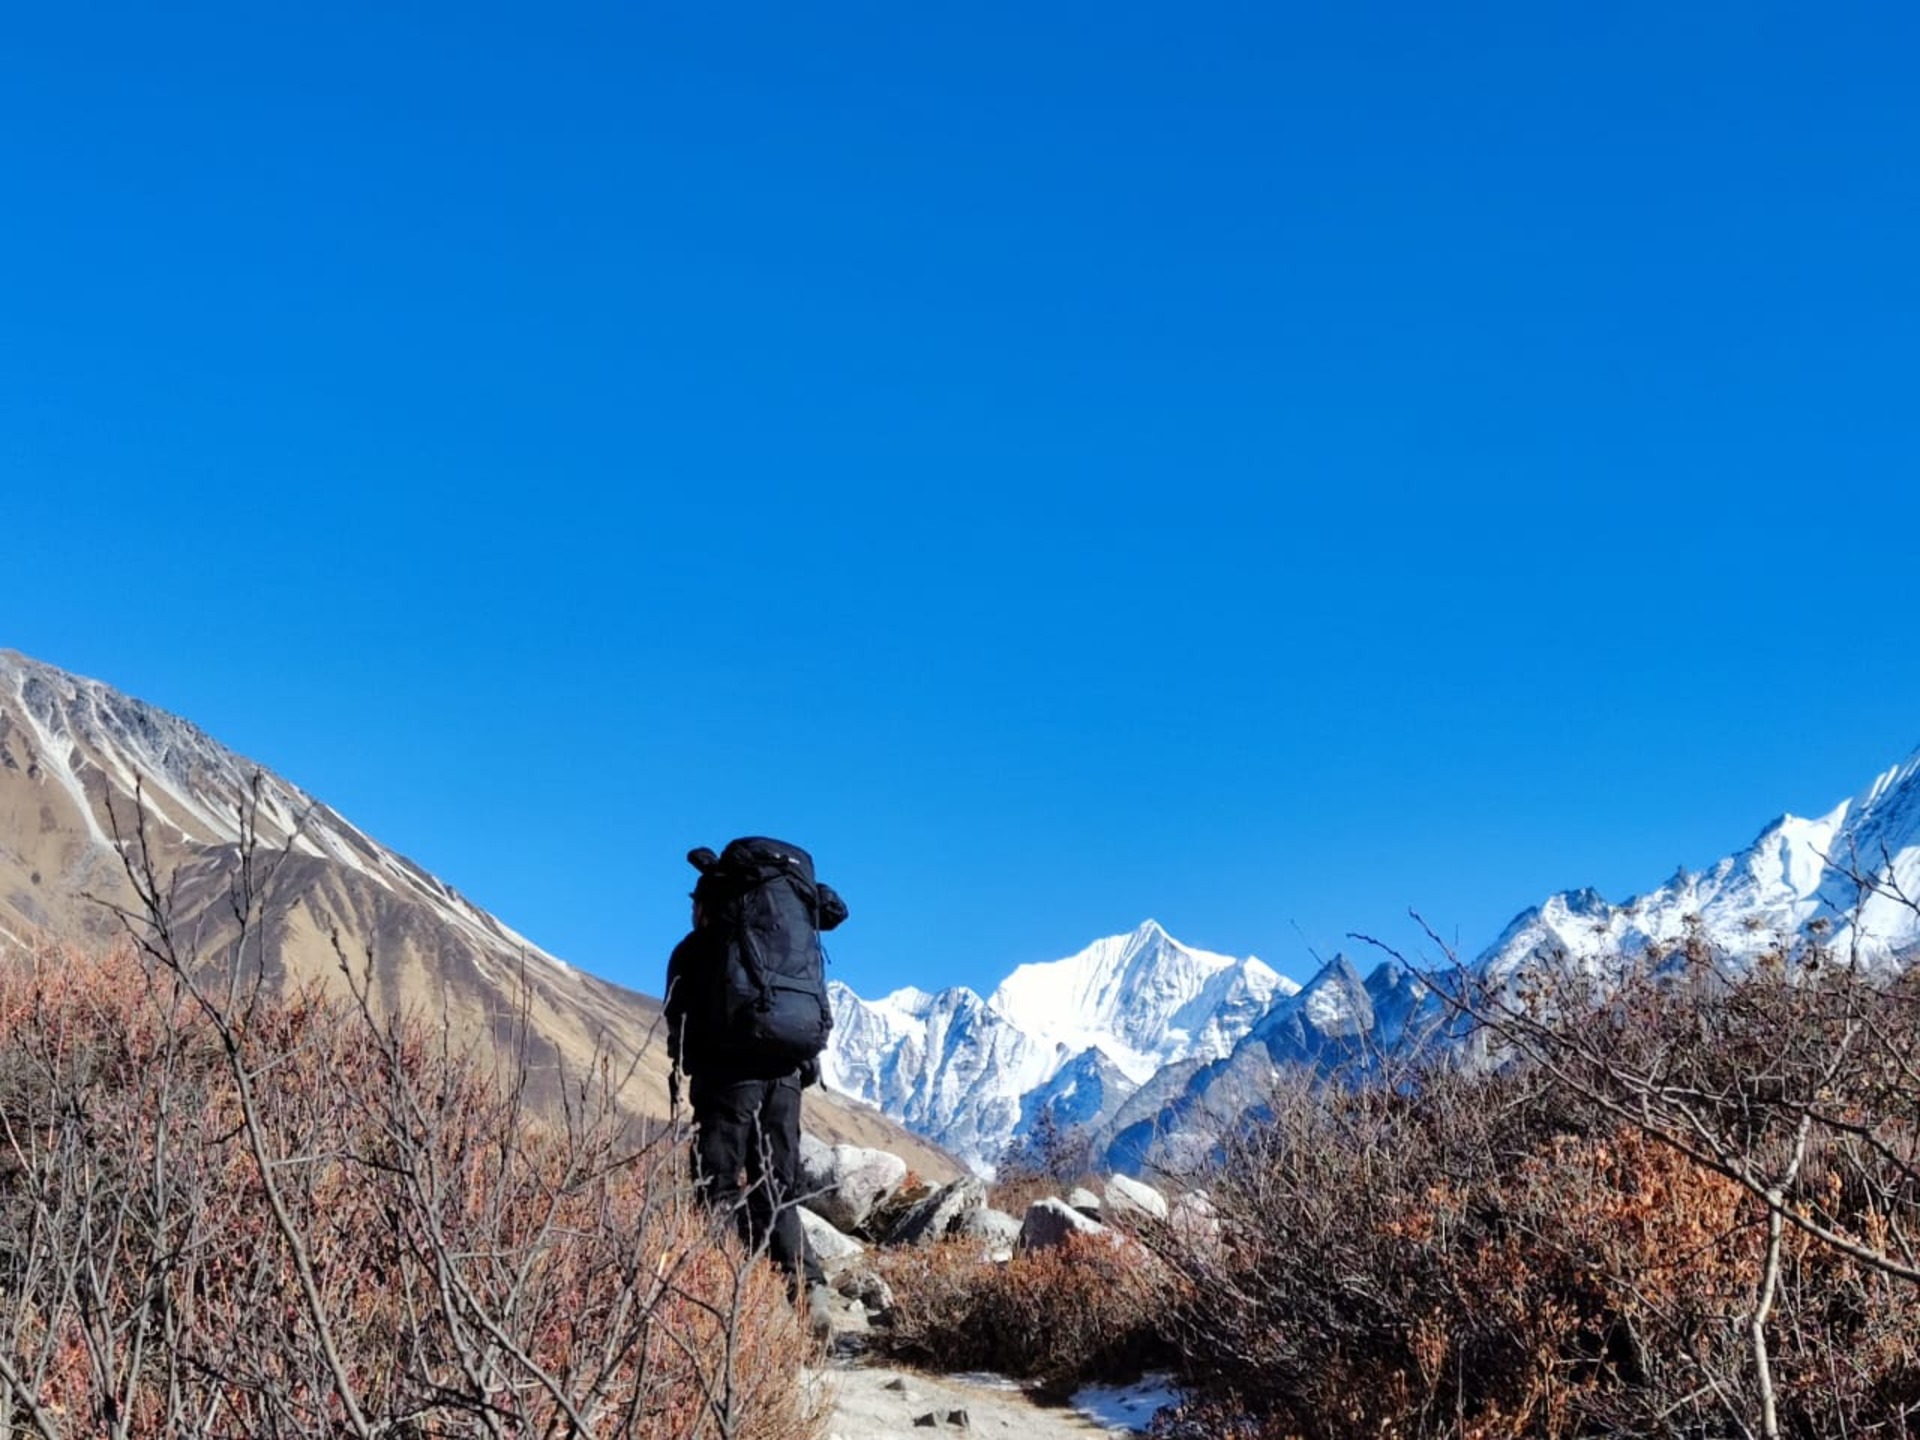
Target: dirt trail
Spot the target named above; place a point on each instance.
(873, 1400)
(878, 1402)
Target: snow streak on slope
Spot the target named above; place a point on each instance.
(1078, 1034)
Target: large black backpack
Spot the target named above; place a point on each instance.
(765, 911)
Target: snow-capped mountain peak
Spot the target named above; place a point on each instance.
(1142, 999)
(1336, 1000)
(1076, 1034)
(1137, 1036)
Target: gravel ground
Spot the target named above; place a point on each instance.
(875, 1402)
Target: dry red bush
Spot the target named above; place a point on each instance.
(1584, 1243)
(1086, 1310)
(288, 1219)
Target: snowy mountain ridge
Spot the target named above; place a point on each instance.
(1800, 880)
(1074, 1037)
(1143, 1000)
(1796, 878)
(1152, 1048)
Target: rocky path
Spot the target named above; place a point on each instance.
(846, 1188)
(877, 1402)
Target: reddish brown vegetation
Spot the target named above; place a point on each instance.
(290, 1220)
(1690, 1213)
(1693, 1210)
(1086, 1310)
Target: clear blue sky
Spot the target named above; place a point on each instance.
(1264, 467)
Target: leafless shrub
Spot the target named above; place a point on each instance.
(226, 1214)
(1086, 1310)
(1686, 1207)
(1050, 1159)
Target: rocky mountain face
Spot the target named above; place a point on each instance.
(1337, 1020)
(1069, 1039)
(1799, 879)
(75, 754)
(1152, 1050)
(1837, 879)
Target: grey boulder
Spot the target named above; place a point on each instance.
(1085, 1201)
(845, 1183)
(1193, 1218)
(1125, 1196)
(1051, 1222)
(998, 1231)
(827, 1241)
(935, 1217)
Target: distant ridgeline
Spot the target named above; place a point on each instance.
(1142, 1049)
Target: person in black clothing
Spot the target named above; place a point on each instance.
(745, 1101)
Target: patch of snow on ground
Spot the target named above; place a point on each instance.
(1126, 1407)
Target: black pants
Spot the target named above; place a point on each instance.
(751, 1128)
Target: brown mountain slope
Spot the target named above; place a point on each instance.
(73, 755)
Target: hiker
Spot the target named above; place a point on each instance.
(747, 1016)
